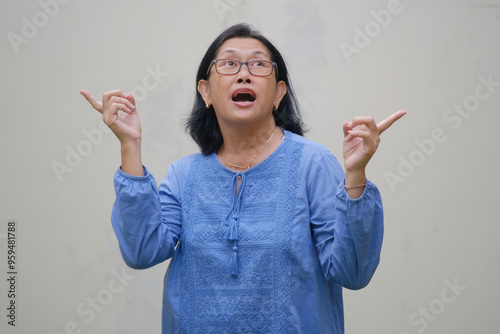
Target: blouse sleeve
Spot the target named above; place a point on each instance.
(347, 233)
(146, 220)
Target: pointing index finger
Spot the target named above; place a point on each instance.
(386, 123)
(96, 104)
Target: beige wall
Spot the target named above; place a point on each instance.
(436, 168)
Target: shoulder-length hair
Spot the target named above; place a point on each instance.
(202, 123)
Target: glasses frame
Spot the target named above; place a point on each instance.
(214, 63)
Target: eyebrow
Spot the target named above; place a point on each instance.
(255, 52)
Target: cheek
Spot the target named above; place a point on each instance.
(219, 91)
(220, 97)
(270, 95)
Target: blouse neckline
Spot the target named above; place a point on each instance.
(259, 166)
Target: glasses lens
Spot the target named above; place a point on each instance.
(256, 67)
(227, 66)
(260, 67)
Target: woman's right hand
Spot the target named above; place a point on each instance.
(126, 125)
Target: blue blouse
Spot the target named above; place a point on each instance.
(267, 250)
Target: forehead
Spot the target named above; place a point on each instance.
(243, 47)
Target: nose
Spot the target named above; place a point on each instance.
(244, 74)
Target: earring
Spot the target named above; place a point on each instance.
(207, 106)
(276, 107)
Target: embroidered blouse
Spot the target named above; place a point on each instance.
(267, 250)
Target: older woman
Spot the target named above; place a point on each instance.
(263, 227)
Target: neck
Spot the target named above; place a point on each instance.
(245, 148)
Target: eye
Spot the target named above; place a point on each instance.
(228, 63)
(260, 64)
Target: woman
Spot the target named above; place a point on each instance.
(263, 227)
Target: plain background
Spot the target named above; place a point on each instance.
(436, 168)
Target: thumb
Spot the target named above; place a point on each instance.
(131, 98)
(346, 129)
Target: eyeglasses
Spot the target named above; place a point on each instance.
(260, 68)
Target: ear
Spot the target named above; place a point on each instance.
(280, 92)
(204, 90)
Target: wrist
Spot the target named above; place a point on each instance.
(130, 144)
(354, 183)
(354, 178)
(131, 157)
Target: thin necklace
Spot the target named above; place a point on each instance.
(255, 156)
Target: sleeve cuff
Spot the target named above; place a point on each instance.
(133, 177)
(368, 185)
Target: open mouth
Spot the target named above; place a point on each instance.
(243, 96)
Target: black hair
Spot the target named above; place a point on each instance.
(202, 123)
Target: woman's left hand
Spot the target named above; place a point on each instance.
(361, 139)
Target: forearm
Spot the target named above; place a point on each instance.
(131, 158)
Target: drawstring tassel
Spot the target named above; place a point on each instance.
(234, 261)
(232, 231)
(232, 235)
